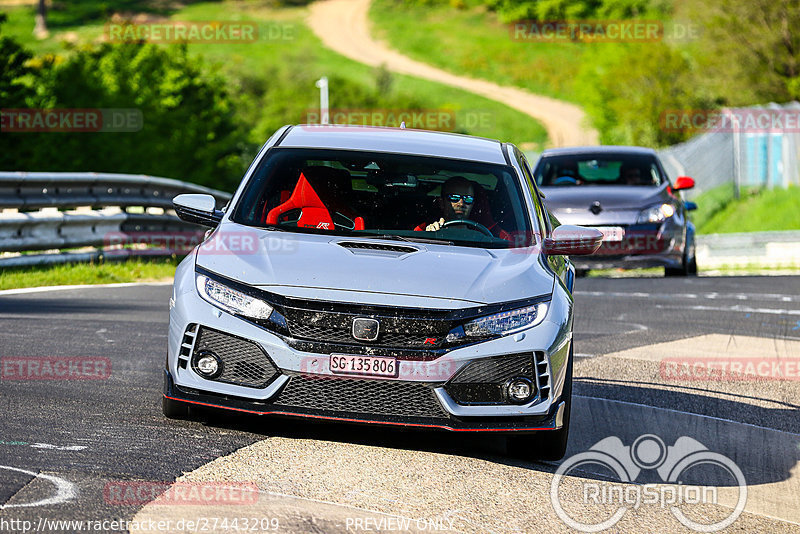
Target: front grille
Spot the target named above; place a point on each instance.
(482, 381)
(356, 396)
(342, 335)
(244, 363)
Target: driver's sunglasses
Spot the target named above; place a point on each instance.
(455, 197)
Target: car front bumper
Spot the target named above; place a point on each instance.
(428, 392)
(643, 246)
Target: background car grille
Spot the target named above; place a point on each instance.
(481, 382)
(244, 362)
(377, 397)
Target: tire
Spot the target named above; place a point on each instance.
(551, 445)
(174, 409)
(688, 266)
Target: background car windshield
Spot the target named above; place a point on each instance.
(358, 193)
(598, 170)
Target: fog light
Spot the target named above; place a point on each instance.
(208, 364)
(519, 390)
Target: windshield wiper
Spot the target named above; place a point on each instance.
(394, 237)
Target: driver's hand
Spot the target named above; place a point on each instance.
(432, 227)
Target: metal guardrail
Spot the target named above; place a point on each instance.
(74, 210)
(32, 190)
(769, 250)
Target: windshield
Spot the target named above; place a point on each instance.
(595, 169)
(400, 197)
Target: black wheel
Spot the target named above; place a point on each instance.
(546, 445)
(688, 265)
(174, 409)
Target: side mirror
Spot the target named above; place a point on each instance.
(198, 209)
(683, 182)
(690, 206)
(568, 240)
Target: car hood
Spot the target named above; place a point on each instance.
(427, 275)
(618, 204)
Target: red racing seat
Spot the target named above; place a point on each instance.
(333, 183)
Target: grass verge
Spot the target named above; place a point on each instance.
(294, 55)
(472, 42)
(135, 270)
(757, 210)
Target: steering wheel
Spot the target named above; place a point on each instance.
(566, 180)
(471, 224)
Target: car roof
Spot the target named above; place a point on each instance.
(601, 150)
(395, 140)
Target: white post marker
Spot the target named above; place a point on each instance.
(322, 84)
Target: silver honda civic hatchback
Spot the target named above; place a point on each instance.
(382, 276)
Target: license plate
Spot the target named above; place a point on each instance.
(347, 364)
(612, 233)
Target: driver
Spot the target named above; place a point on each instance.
(457, 202)
(458, 197)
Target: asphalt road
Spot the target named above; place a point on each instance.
(66, 440)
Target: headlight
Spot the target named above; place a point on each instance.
(231, 300)
(656, 214)
(507, 322)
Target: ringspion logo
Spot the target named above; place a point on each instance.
(626, 463)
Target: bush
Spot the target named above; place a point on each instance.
(188, 130)
(626, 88)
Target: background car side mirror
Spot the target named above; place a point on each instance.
(683, 182)
(198, 209)
(569, 240)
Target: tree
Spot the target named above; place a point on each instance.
(40, 30)
(760, 42)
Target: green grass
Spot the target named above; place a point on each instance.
(757, 210)
(709, 203)
(88, 273)
(303, 53)
(474, 43)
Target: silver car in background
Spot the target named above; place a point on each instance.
(625, 193)
(320, 294)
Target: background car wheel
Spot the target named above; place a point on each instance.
(546, 445)
(688, 265)
(175, 409)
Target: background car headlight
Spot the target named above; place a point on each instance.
(655, 214)
(231, 300)
(507, 322)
